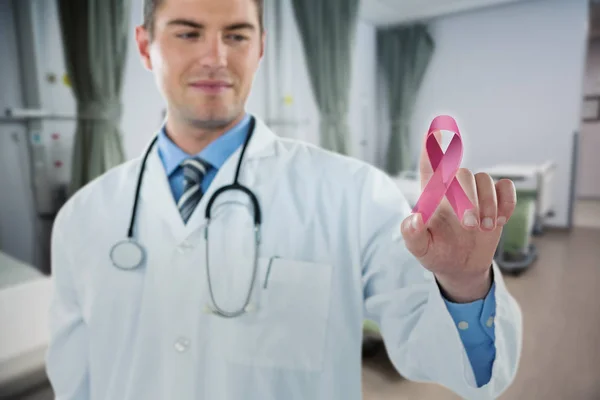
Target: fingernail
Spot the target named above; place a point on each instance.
(470, 219)
(488, 223)
(501, 220)
(414, 222)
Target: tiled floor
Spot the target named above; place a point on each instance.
(587, 214)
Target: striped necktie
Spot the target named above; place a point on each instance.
(194, 171)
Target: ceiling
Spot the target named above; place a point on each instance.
(392, 12)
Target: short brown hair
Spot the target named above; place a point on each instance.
(150, 7)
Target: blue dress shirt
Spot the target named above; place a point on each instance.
(216, 153)
(474, 321)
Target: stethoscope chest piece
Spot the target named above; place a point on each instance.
(127, 254)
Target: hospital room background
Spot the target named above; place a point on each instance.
(521, 77)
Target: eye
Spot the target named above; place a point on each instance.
(237, 38)
(188, 35)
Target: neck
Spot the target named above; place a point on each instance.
(191, 138)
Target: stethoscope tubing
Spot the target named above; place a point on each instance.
(235, 186)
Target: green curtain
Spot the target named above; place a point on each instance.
(403, 54)
(95, 35)
(327, 29)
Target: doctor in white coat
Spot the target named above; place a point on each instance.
(335, 243)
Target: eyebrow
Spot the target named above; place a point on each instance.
(196, 25)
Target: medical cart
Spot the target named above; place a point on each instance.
(533, 184)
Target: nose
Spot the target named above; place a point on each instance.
(214, 53)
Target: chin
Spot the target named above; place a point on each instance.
(213, 119)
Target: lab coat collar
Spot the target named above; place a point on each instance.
(262, 143)
(156, 191)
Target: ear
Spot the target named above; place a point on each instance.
(142, 38)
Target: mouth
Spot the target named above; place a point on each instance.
(211, 87)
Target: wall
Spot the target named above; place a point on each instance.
(588, 183)
(512, 77)
(16, 197)
(23, 234)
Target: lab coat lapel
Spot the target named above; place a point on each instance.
(262, 143)
(156, 192)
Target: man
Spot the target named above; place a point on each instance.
(337, 245)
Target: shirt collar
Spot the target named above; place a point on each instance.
(216, 153)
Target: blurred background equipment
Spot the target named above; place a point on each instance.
(24, 297)
(533, 183)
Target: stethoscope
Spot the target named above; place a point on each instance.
(129, 254)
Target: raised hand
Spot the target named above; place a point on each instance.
(459, 251)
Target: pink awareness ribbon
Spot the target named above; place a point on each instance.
(443, 182)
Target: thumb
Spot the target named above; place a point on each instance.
(415, 235)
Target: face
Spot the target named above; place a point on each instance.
(204, 55)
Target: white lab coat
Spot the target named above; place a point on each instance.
(331, 228)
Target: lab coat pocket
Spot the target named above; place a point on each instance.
(288, 329)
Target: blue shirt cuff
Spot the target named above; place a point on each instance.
(475, 320)
(475, 324)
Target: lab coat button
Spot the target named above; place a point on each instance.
(490, 322)
(463, 325)
(182, 344)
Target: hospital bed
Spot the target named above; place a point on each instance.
(25, 295)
